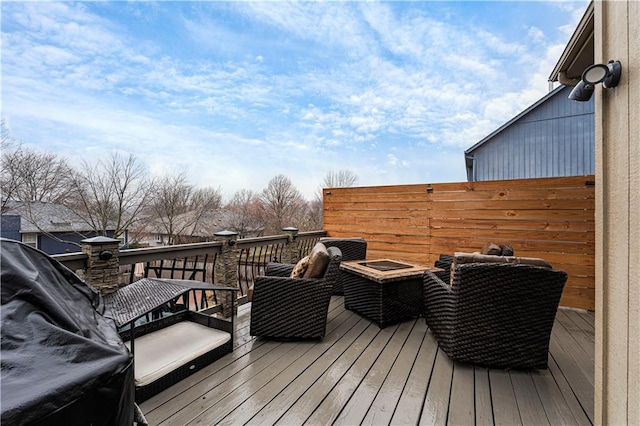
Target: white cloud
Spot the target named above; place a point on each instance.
(321, 85)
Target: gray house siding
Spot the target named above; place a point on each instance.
(65, 244)
(56, 228)
(10, 227)
(554, 137)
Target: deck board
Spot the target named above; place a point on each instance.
(384, 405)
(362, 374)
(505, 406)
(462, 401)
(332, 405)
(483, 404)
(412, 398)
(528, 400)
(436, 404)
(307, 391)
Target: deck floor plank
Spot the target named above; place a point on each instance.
(361, 374)
(505, 406)
(267, 363)
(530, 406)
(303, 401)
(584, 340)
(436, 404)
(360, 402)
(384, 405)
(483, 403)
(462, 401)
(333, 403)
(584, 322)
(552, 398)
(577, 376)
(568, 345)
(412, 399)
(578, 408)
(299, 376)
(310, 400)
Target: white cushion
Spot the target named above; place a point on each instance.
(159, 353)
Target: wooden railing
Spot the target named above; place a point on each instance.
(551, 218)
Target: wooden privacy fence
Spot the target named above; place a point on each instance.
(552, 218)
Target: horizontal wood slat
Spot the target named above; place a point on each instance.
(552, 218)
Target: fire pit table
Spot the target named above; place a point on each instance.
(385, 291)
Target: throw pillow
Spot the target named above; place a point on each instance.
(506, 250)
(318, 261)
(491, 248)
(300, 268)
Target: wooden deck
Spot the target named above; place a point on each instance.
(361, 374)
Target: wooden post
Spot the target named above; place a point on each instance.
(102, 268)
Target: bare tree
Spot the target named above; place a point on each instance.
(109, 195)
(243, 214)
(179, 208)
(340, 179)
(314, 221)
(29, 176)
(282, 204)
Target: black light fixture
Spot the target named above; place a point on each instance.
(608, 75)
(105, 255)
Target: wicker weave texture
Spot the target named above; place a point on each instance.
(352, 249)
(386, 303)
(495, 315)
(293, 308)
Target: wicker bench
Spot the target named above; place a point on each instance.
(177, 343)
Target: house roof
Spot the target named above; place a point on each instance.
(578, 53)
(187, 224)
(46, 217)
(542, 100)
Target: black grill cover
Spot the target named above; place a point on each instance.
(63, 362)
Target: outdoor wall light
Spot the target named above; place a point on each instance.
(105, 255)
(608, 75)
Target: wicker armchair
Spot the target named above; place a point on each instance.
(292, 308)
(352, 249)
(495, 314)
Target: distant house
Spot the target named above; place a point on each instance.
(189, 227)
(52, 228)
(553, 137)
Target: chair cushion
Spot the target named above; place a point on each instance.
(159, 353)
(300, 268)
(506, 250)
(318, 261)
(460, 258)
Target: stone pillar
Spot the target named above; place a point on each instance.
(290, 253)
(102, 268)
(226, 269)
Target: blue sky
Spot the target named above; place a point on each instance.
(235, 93)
